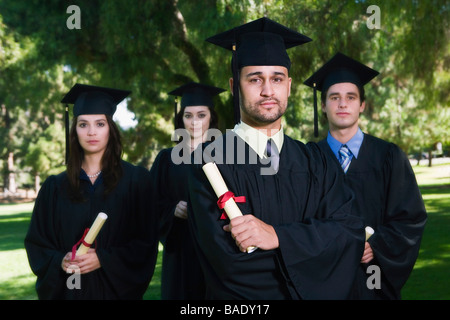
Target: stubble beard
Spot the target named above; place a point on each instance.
(253, 111)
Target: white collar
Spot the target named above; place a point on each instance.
(257, 139)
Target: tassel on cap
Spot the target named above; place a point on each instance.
(316, 116)
(66, 120)
(236, 107)
(175, 107)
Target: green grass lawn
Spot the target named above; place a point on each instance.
(16, 279)
(428, 281)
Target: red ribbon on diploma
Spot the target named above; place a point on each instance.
(224, 198)
(74, 248)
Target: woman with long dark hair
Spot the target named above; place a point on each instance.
(120, 264)
(181, 277)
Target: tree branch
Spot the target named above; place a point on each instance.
(181, 41)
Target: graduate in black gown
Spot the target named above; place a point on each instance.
(379, 173)
(121, 262)
(296, 209)
(181, 277)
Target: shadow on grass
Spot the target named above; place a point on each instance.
(18, 288)
(13, 228)
(429, 279)
(435, 189)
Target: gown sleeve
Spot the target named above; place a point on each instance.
(129, 261)
(397, 238)
(322, 252)
(42, 243)
(164, 205)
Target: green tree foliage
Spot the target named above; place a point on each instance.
(151, 47)
(47, 151)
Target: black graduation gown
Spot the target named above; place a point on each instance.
(388, 199)
(181, 277)
(126, 245)
(320, 243)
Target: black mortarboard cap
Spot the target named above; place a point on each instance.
(338, 69)
(89, 99)
(262, 42)
(195, 94)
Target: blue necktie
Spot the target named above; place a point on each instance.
(345, 157)
(274, 155)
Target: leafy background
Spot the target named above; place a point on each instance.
(151, 47)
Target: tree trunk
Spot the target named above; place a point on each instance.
(12, 175)
(37, 183)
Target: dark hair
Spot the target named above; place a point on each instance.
(362, 95)
(213, 123)
(110, 163)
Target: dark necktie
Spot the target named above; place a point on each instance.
(273, 154)
(345, 157)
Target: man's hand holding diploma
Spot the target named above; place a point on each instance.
(221, 190)
(368, 253)
(247, 230)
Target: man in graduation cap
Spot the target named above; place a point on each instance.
(120, 264)
(296, 207)
(181, 276)
(386, 191)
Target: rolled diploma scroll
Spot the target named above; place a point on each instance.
(219, 186)
(92, 233)
(369, 232)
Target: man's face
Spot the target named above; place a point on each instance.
(343, 106)
(264, 92)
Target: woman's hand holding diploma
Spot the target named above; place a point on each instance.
(85, 263)
(85, 260)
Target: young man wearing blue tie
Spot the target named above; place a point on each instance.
(379, 173)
